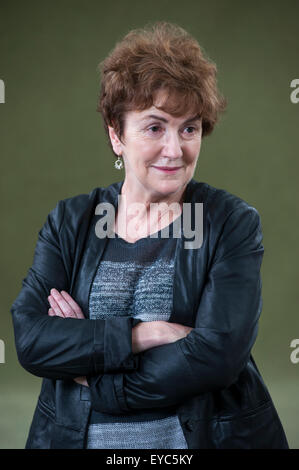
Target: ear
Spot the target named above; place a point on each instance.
(115, 142)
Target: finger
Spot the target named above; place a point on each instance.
(55, 307)
(51, 313)
(73, 304)
(63, 305)
(81, 381)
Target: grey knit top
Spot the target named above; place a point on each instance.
(135, 279)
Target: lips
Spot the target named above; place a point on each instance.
(168, 169)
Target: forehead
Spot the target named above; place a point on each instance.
(167, 106)
(154, 113)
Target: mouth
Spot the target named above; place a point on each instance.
(168, 169)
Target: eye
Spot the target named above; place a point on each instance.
(155, 129)
(190, 129)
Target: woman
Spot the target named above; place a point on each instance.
(162, 358)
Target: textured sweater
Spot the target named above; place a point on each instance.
(135, 279)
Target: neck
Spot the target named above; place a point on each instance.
(150, 214)
(132, 195)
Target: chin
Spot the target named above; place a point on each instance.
(168, 186)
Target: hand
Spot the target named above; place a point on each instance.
(146, 335)
(63, 305)
(81, 381)
(171, 332)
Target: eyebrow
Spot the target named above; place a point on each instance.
(160, 118)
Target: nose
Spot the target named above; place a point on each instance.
(172, 145)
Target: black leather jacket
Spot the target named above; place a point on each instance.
(222, 401)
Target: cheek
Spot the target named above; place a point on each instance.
(141, 158)
(192, 153)
(145, 154)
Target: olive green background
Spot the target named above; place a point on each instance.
(52, 146)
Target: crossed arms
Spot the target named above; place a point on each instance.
(145, 335)
(153, 365)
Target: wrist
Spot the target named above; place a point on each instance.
(146, 335)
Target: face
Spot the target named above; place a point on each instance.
(160, 151)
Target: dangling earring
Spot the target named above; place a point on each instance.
(118, 163)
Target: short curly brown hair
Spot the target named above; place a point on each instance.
(160, 56)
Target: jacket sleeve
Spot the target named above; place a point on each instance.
(64, 348)
(214, 353)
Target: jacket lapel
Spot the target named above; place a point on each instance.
(185, 276)
(90, 252)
